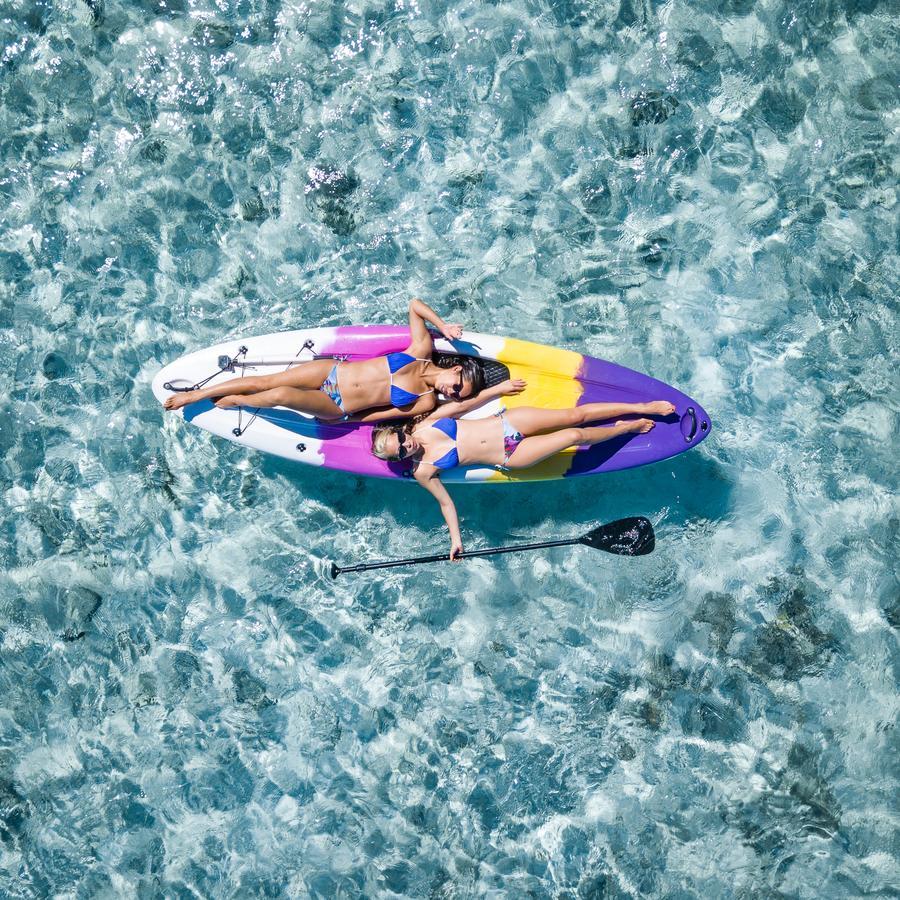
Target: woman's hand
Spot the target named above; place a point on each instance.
(451, 332)
(512, 386)
(456, 548)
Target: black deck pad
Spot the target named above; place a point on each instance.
(494, 372)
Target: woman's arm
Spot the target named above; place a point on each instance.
(420, 340)
(429, 478)
(456, 408)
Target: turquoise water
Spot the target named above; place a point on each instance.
(190, 708)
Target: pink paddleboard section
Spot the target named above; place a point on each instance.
(348, 446)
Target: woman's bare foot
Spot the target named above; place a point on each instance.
(230, 401)
(176, 401)
(658, 408)
(638, 426)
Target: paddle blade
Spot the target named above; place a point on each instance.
(626, 537)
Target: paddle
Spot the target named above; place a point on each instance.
(625, 537)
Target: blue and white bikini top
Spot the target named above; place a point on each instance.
(396, 361)
(450, 460)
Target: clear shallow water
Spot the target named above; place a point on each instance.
(190, 708)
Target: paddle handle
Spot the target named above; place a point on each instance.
(445, 557)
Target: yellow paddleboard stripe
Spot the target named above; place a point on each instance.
(550, 373)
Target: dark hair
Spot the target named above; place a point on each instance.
(472, 371)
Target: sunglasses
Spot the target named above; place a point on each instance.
(456, 391)
(402, 451)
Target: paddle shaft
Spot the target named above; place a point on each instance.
(438, 557)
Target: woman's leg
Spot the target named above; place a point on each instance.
(534, 449)
(304, 375)
(533, 420)
(305, 400)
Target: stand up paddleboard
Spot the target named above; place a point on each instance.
(556, 379)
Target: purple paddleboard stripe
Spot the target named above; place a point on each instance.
(606, 382)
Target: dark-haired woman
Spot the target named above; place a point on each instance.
(397, 385)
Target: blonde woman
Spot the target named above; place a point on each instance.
(511, 439)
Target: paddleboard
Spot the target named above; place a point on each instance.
(556, 379)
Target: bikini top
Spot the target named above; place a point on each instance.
(450, 460)
(399, 396)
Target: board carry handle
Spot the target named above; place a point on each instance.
(689, 424)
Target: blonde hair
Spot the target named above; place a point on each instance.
(380, 434)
